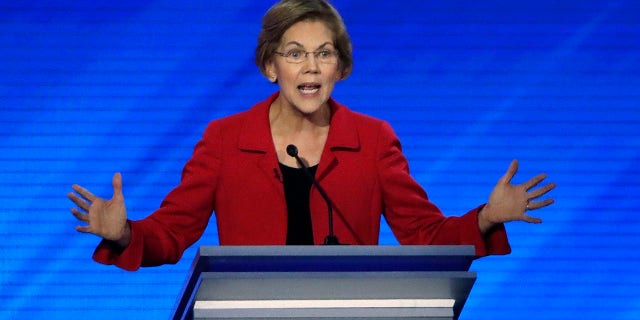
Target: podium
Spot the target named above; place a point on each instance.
(327, 282)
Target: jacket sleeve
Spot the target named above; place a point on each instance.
(414, 219)
(181, 219)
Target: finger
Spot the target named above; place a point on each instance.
(84, 192)
(541, 191)
(511, 171)
(531, 219)
(79, 215)
(534, 205)
(534, 181)
(81, 203)
(83, 229)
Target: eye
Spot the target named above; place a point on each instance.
(294, 54)
(326, 53)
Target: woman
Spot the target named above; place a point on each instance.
(241, 170)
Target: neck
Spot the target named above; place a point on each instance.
(308, 132)
(291, 119)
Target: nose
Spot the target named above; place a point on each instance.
(312, 64)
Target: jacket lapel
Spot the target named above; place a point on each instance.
(255, 138)
(343, 136)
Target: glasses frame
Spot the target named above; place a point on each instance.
(316, 55)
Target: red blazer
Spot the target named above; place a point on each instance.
(234, 172)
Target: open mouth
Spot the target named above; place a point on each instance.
(309, 88)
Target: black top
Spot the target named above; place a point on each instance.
(297, 187)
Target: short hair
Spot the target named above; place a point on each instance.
(282, 15)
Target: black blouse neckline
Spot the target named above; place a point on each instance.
(297, 187)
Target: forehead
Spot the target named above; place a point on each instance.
(308, 33)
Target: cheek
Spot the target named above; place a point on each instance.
(287, 73)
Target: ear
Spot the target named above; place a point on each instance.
(270, 72)
(339, 73)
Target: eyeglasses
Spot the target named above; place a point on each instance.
(299, 56)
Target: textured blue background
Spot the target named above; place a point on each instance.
(88, 88)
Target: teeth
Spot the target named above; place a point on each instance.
(309, 90)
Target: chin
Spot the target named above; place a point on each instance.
(308, 108)
(309, 104)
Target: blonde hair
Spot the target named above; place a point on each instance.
(281, 16)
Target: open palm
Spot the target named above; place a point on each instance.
(509, 202)
(104, 218)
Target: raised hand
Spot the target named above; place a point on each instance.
(509, 202)
(104, 218)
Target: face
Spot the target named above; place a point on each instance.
(305, 87)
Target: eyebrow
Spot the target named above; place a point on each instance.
(298, 44)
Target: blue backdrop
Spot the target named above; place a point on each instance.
(88, 88)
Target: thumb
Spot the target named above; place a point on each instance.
(116, 181)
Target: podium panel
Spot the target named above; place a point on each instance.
(328, 282)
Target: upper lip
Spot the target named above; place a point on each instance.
(309, 84)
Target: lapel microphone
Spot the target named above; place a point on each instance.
(331, 239)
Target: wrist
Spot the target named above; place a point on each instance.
(484, 222)
(125, 239)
